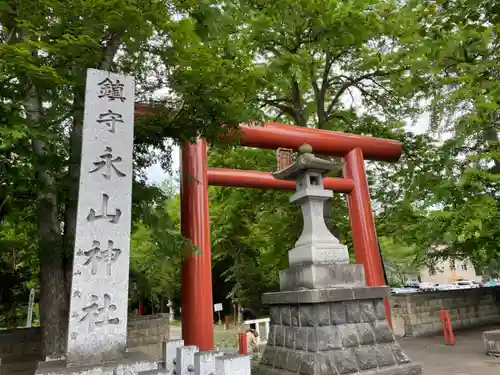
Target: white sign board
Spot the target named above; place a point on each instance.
(99, 292)
(218, 307)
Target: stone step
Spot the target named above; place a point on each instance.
(160, 371)
(19, 368)
(16, 358)
(409, 369)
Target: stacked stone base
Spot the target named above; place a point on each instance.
(131, 364)
(332, 331)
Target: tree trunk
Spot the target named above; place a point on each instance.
(72, 181)
(53, 298)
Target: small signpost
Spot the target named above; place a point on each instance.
(283, 158)
(30, 308)
(218, 308)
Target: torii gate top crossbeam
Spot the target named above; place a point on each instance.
(273, 135)
(324, 142)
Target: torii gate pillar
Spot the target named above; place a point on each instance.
(196, 274)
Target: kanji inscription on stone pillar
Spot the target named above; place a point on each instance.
(99, 292)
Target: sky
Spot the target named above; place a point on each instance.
(156, 175)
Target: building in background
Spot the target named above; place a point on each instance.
(447, 271)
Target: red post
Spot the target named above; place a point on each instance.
(235, 309)
(227, 321)
(243, 345)
(196, 274)
(364, 237)
(449, 337)
(140, 310)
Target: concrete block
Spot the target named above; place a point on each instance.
(324, 295)
(367, 309)
(492, 342)
(318, 254)
(281, 358)
(169, 349)
(338, 314)
(323, 314)
(269, 356)
(384, 355)
(353, 312)
(290, 337)
(279, 336)
(314, 364)
(349, 335)
(371, 292)
(275, 314)
(398, 326)
(365, 334)
(328, 338)
(285, 315)
(130, 364)
(345, 361)
(317, 276)
(294, 359)
(366, 357)
(272, 335)
(383, 332)
(301, 338)
(184, 361)
(409, 369)
(307, 315)
(312, 341)
(204, 362)
(294, 313)
(399, 354)
(232, 365)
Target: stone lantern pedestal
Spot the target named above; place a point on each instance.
(325, 320)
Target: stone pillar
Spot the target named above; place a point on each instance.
(97, 329)
(325, 320)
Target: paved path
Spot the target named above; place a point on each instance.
(467, 357)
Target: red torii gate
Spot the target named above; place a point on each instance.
(196, 279)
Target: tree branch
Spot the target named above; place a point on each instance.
(111, 43)
(354, 81)
(297, 104)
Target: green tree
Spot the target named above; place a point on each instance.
(18, 266)
(455, 196)
(45, 52)
(401, 261)
(252, 229)
(155, 251)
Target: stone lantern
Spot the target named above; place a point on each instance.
(325, 320)
(316, 245)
